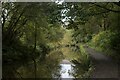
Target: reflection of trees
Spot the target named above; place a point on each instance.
(49, 69)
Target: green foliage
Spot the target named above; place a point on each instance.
(114, 22)
(115, 45)
(55, 34)
(29, 29)
(107, 41)
(102, 39)
(115, 41)
(25, 34)
(83, 65)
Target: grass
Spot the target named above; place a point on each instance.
(83, 64)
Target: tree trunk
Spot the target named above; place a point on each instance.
(33, 54)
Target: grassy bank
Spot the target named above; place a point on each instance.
(83, 66)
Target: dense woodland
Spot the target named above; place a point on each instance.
(31, 31)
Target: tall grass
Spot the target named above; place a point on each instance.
(83, 65)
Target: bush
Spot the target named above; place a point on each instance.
(107, 41)
(83, 66)
(115, 41)
(102, 39)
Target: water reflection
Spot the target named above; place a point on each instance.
(66, 71)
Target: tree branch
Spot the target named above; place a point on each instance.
(117, 3)
(33, 53)
(3, 16)
(106, 8)
(93, 14)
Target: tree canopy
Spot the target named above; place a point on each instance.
(31, 31)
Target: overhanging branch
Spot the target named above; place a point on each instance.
(116, 11)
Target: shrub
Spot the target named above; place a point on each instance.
(83, 65)
(102, 39)
(107, 41)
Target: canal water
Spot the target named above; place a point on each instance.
(56, 64)
(66, 70)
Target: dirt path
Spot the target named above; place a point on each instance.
(104, 66)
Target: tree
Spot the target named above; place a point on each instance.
(25, 31)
